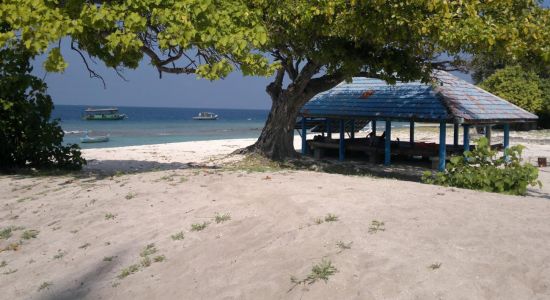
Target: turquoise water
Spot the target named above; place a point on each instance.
(146, 125)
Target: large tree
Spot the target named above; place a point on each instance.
(314, 45)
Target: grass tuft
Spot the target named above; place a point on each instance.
(320, 271)
(343, 246)
(30, 234)
(148, 250)
(109, 216)
(376, 226)
(318, 221)
(108, 258)
(130, 195)
(435, 266)
(3, 264)
(128, 271)
(178, 236)
(331, 218)
(222, 218)
(159, 258)
(199, 226)
(59, 254)
(5, 233)
(45, 285)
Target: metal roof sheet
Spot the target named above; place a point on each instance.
(448, 98)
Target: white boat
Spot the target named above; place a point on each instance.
(94, 139)
(206, 116)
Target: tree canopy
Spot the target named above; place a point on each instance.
(314, 44)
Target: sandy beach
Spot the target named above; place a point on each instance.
(185, 221)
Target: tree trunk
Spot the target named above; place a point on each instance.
(277, 138)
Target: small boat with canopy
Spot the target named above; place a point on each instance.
(103, 114)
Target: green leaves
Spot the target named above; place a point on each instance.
(480, 169)
(55, 62)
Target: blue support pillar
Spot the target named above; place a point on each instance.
(329, 130)
(304, 136)
(455, 135)
(411, 128)
(342, 146)
(466, 137)
(442, 145)
(352, 133)
(387, 144)
(506, 140)
(373, 125)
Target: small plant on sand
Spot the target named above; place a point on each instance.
(343, 246)
(12, 247)
(45, 285)
(434, 266)
(318, 221)
(128, 271)
(199, 226)
(148, 250)
(85, 246)
(29, 234)
(3, 264)
(118, 173)
(159, 258)
(59, 254)
(481, 169)
(130, 195)
(178, 236)
(108, 258)
(183, 179)
(222, 218)
(321, 271)
(331, 218)
(376, 226)
(10, 271)
(109, 216)
(145, 262)
(5, 233)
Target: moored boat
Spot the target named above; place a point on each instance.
(94, 139)
(206, 116)
(103, 114)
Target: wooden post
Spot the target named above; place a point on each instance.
(352, 133)
(411, 129)
(466, 137)
(442, 145)
(373, 125)
(342, 146)
(488, 134)
(329, 130)
(506, 140)
(304, 136)
(455, 135)
(387, 144)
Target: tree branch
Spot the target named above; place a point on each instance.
(92, 73)
(274, 88)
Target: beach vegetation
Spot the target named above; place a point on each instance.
(331, 218)
(320, 271)
(220, 218)
(343, 246)
(159, 258)
(148, 250)
(435, 266)
(29, 234)
(178, 236)
(130, 195)
(3, 264)
(84, 246)
(145, 262)
(109, 216)
(318, 221)
(199, 226)
(108, 258)
(481, 169)
(10, 271)
(5, 233)
(44, 285)
(59, 254)
(376, 226)
(31, 139)
(128, 271)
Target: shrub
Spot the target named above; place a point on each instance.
(517, 86)
(480, 169)
(29, 138)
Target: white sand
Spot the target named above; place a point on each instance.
(489, 246)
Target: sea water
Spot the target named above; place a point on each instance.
(156, 125)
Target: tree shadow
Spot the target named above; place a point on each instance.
(80, 287)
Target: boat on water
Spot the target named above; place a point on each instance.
(206, 116)
(103, 114)
(94, 139)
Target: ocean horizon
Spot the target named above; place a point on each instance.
(159, 125)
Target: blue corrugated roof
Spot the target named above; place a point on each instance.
(448, 98)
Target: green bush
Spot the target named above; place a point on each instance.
(28, 138)
(518, 86)
(480, 169)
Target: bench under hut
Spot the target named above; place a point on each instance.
(348, 107)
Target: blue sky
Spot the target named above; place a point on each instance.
(145, 88)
